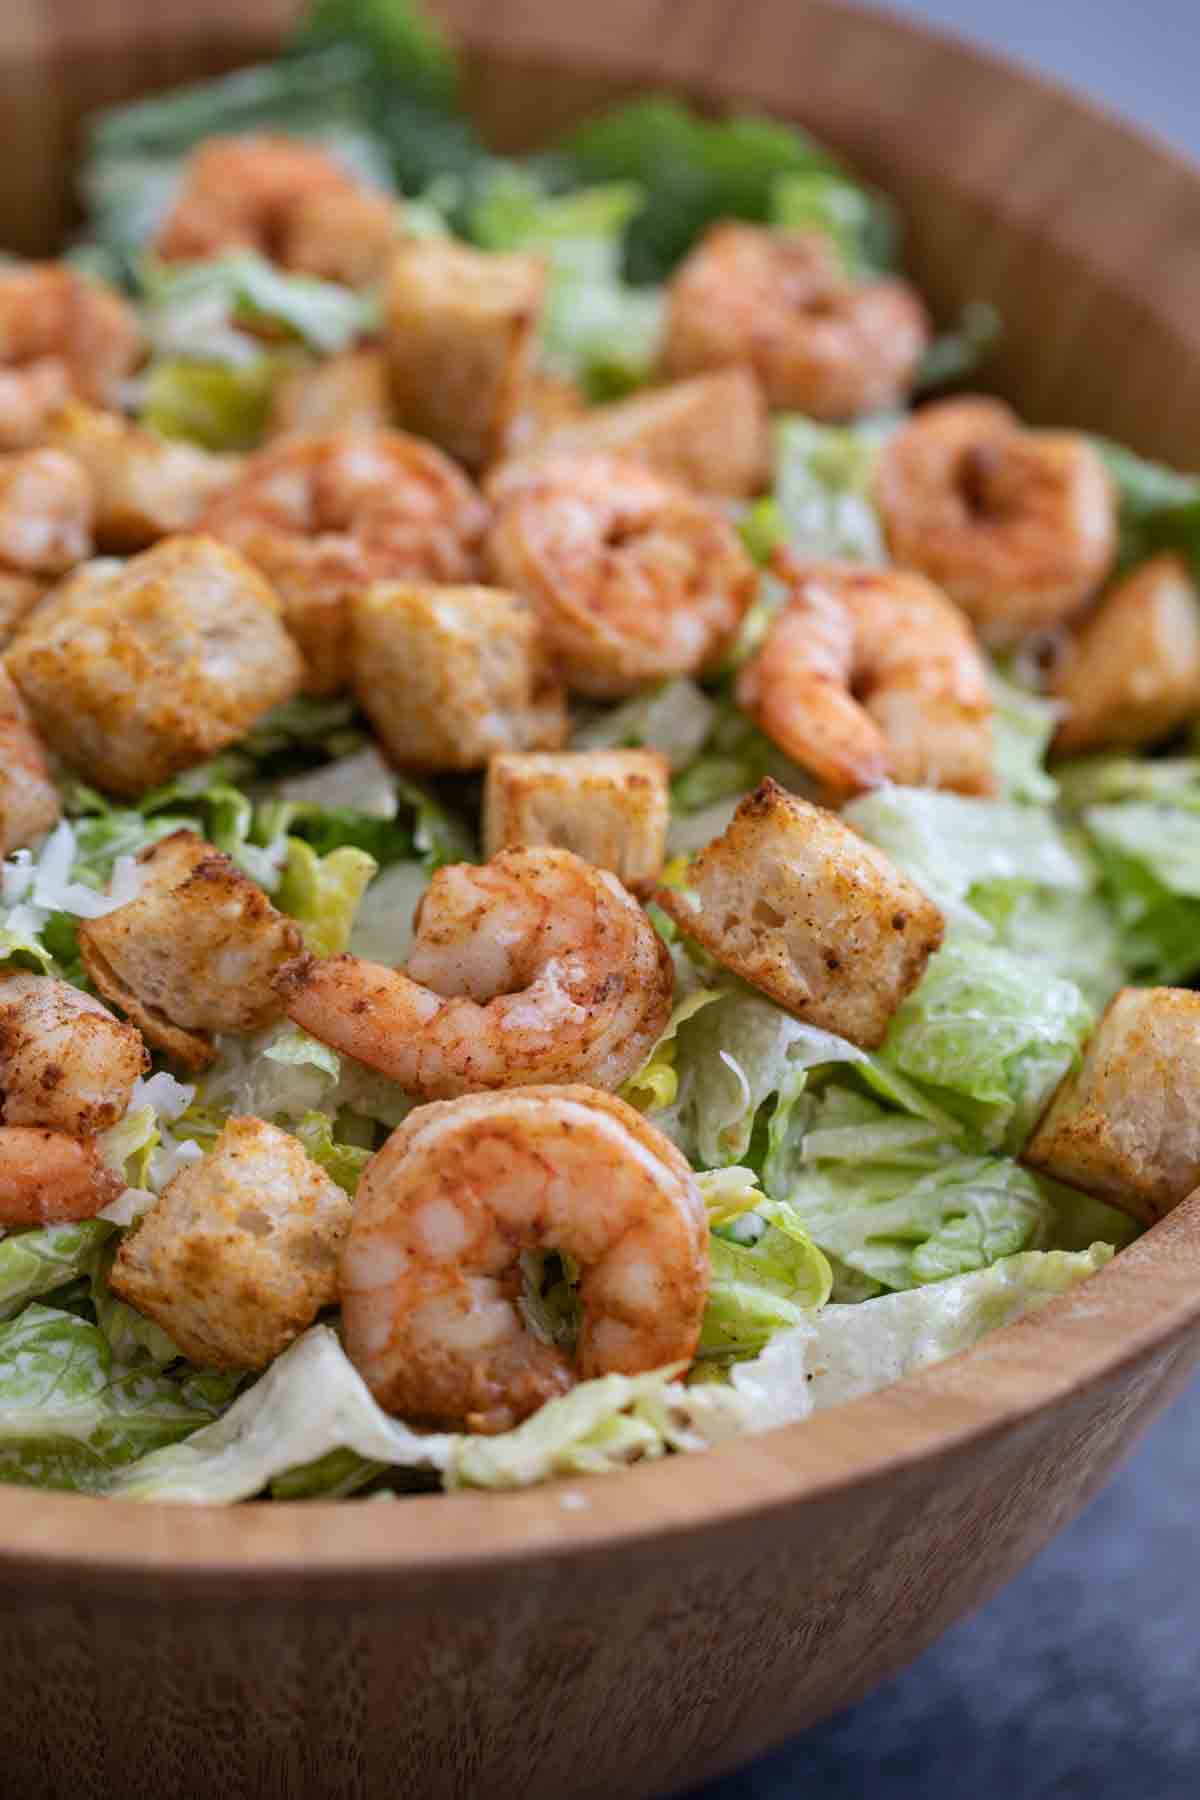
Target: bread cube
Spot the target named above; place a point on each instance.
(45, 513)
(29, 800)
(711, 433)
(19, 594)
(144, 487)
(348, 392)
(459, 331)
(1125, 1125)
(611, 807)
(239, 1253)
(194, 953)
(797, 904)
(135, 672)
(450, 675)
(1132, 671)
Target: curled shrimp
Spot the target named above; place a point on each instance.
(533, 967)
(1019, 527)
(323, 516)
(820, 342)
(30, 802)
(430, 1277)
(49, 1178)
(870, 675)
(633, 576)
(62, 336)
(290, 201)
(65, 1061)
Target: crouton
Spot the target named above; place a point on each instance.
(710, 433)
(144, 486)
(19, 594)
(450, 675)
(45, 513)
(239, 1252)
(29, 800)
(611, 807)
(1131, 673)
(135, 672)
(65, 1062)
(194, 953)
(348, 392)
(793, 901)
(1125, 1126)
(459, 332)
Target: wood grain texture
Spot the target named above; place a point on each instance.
(672, 1621)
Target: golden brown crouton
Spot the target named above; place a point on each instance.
(239, 1252)
(29, 800)
(710, 433)
(611, 807)
(459, 331)
(144, 486)
(194, 953)
(348, 392)
(1132, 671)
(1125, 1126)
(450, 675)
(45, 513)
(798, 905)
(65, 1062)
(19, 594)
(134, 672)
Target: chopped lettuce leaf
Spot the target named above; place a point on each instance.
(406, 45)
(863, 225)
(132, 1338)
(383, 929)
(200, 310)
(767, 1273)
(1068, 934)
(673, 716)
(322, 893)
(1158, 509)
(34, 1263)
(216, 405)
(361, 782)
(959, 351)
(1023, 724)
(822, 487)
(344, 1162)
(990, 1036)
(655, 1085)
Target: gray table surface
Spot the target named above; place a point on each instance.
(1082, 1677)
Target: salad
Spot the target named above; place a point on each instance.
(593, 859)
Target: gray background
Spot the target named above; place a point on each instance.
(1083, 1677)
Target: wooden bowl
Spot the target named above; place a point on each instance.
(632, 1635)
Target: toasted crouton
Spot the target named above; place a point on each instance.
(611, 807)
(19, 594)
(711, 433)
(1132, 671)
(135, 672)
(797, 904)
(29, 800)
(144, 487)
(459, 331)
(1125, 1126)
(348, 392)
(239, 1252)
(194, 953)
(450, 675)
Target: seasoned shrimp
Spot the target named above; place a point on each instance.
(1018, 527)
(820, 343)
(290, 201)
(430, 1278)
(633, 576)
(534, 967)
(144, 487)
(65, 1062)
(45, 514)
(324, 516)
(48, 1178)
(61, 335)
(870, 675)
(29, 799)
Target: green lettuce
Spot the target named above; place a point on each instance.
(1158, 509)
(822, 487)
(673, 716)
(323, 892)
(863, 226)
(959, 351)
(34, 1263)
(1023, 724)
(203, 310)
(766, 1275)
(216, 405)
(344, 1162)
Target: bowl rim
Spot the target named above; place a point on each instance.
(1139, 1308)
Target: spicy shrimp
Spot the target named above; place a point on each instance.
(323, 516)
(820, 342)
(46, 517)
(62, 336)
(30, 802)
(870, 675)
(430, 1275)
(1019, 527)
(50, 1178)
(144, 487)
(633, 576)
(289, 201)
(65, 1062)
(533, 967)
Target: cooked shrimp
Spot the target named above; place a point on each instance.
(288, 200)
(29, 799)
(534, 967)
(65, 1062)
(871, 675)
(144, 487)
(430, 1278)
(820, 343)
(48, 1178)
(633, 576)
(1018, 527)
(61, 335)
(45, 513)
(323, 516)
